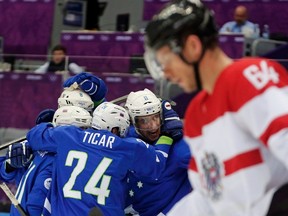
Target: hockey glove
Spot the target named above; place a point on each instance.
(172, 125)
(45, 116)
(19, 155)
(92, 85)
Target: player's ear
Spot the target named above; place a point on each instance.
(192, 48)
(116, 131)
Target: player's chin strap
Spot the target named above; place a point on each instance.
(195, 66)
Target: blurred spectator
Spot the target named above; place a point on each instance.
(240, 23)
(58, 62)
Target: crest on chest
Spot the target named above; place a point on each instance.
(211, 176)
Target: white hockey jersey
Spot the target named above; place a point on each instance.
(238, 137)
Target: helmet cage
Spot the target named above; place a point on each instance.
(143, 123)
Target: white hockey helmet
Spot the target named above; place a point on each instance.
(75, 97)
(108, 116)
(72, 115)
(142, 103)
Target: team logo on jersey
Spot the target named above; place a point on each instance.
(212, 176)
(42, 153)
(47, 183)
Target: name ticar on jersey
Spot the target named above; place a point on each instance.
(259, 77)
(98, 139)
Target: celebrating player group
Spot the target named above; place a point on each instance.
(92, 154)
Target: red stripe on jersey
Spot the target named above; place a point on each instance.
(192, 165)
(232, 90)
(275, 126)
(241, 161)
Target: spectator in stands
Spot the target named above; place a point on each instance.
(240, 23)
(58, 62)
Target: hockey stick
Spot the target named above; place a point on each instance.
(5, 145)
(12, 198)
(122, 99)
(119, 100)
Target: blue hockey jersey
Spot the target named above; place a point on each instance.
(91, 167)
(33, 183)
(150, 198)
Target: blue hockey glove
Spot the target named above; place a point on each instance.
(92, 85)
(45, 116)
(19, 155)
(172, 125)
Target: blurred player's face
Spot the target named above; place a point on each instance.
(176, 70)
(149, 126)
(58, 56)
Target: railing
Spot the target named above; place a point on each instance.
(29, 63)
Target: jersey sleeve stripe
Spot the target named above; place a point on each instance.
(164, 140)
(258, 113)
(277, 143)
(275, 126)
(192, 165)
(47, 205)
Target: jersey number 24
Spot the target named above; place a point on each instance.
(101, 192)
